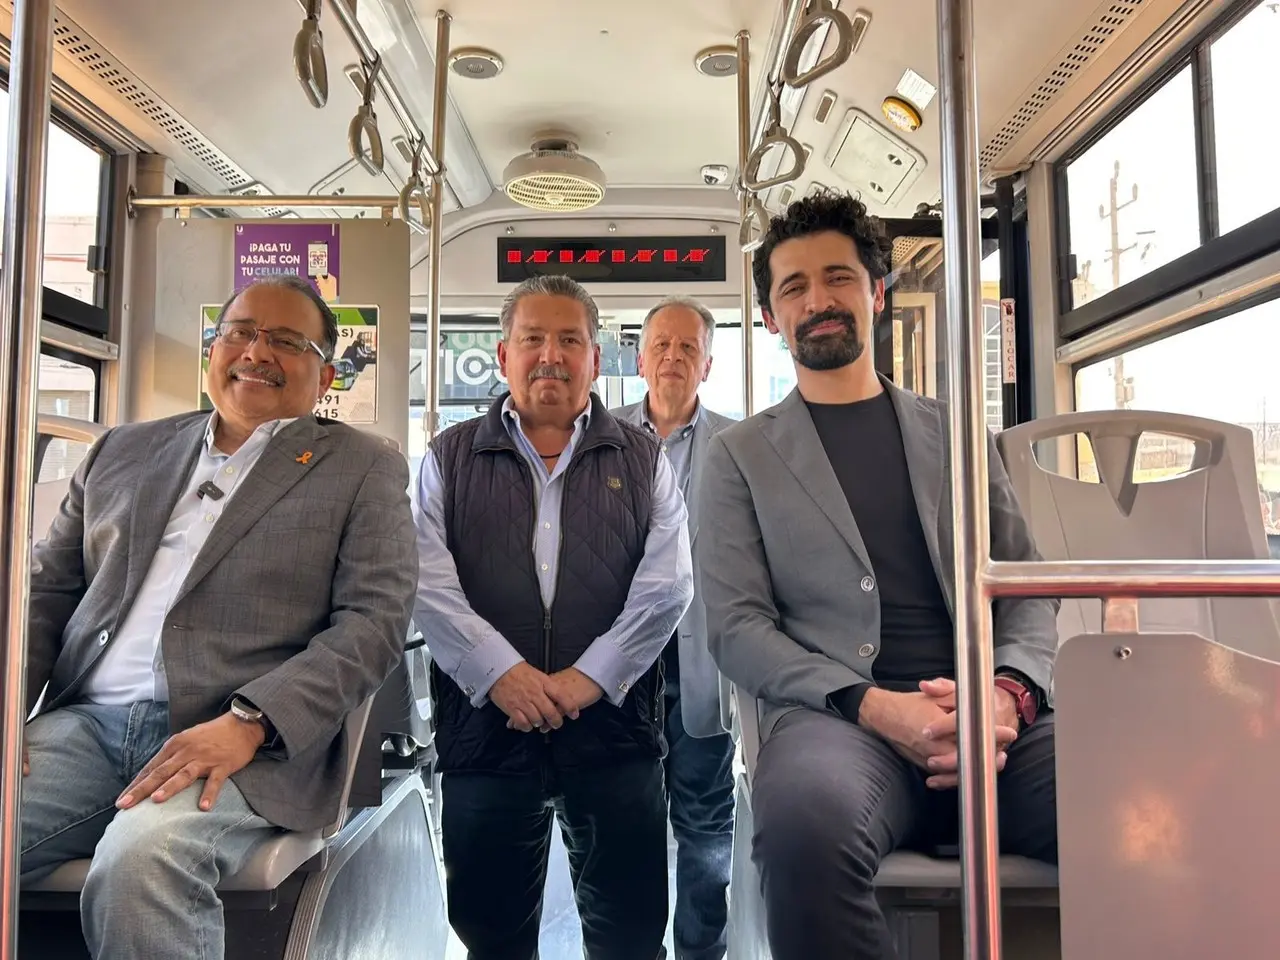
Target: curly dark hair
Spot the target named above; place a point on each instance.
(817, 213)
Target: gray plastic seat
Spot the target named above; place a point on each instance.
(272, 862)
(1209, 512)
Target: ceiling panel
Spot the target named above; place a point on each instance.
(618, 75)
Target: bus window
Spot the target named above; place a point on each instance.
(72, 202)
(1224, 370)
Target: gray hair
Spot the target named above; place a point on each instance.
(708, 321)
(291, 281)
(550, 285)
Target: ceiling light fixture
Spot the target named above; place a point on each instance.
(719, 61)
(475, 63)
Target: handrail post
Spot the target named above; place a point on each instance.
(961, 222)
(439, 105)
(744, 199)
(30, 86)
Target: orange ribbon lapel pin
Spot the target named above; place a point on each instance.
(305, 458)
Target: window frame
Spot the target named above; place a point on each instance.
(79, 359)
(96, 320)
(1217, 253)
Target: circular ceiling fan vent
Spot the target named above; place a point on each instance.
(554, 177)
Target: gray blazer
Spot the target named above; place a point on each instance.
(790, 594)
(699, 678)
(299, 601)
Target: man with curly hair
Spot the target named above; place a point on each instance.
(829, 586)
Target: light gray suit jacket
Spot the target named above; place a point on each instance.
(299, 601)
(699, 678)
(793, 611)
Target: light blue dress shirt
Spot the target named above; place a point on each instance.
(678, 445)
(475, 655)
(131, 669)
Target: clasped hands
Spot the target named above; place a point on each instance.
(922, 727)
(533, 700)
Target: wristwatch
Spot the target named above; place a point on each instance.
(246, 712)
(1024, 701)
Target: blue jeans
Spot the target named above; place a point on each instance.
(150, 889)
(700, 789)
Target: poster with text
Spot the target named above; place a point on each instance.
(353, 395)
(275, 248)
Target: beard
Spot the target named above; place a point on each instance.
(828, 351)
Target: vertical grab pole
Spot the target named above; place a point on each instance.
(744, 151)
(979, 842)
(439, 105)
(30, 85)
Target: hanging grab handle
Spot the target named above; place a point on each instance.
(751, 232)
(817, 13)
(364, 125)
(415, 192)
(308, 57)
(774, 136)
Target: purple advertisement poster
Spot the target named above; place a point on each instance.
(303, 249)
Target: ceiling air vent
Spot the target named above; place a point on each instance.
(1109, 21)
(554, 177)
(94, 59)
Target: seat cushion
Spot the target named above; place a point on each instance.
(915, 870)
(268, 867)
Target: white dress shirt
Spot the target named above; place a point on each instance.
(468, 648)
(131, 669)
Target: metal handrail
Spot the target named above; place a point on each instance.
(975, 659)
(436, 224)
(229, 200)
(30, 93)
(746, 214)
(1132, 578)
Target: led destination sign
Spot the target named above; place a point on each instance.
(615, 259)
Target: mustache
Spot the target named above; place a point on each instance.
(831, 315)
(548, 371)
(257, 371)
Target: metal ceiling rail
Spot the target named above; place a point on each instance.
(216, 200)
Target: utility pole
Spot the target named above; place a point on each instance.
(1124, 385)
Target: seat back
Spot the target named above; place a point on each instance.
(48, 494)
(1210, 511)
(356, 723)
(1166, 789)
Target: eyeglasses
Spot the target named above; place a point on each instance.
(237, 334)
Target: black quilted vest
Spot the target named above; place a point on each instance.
(489, 521)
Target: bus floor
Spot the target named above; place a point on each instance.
(561, 937)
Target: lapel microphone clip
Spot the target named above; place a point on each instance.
(209, 489)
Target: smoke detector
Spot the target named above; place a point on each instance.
(553, 176)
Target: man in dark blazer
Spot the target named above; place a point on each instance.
(830, 591)
(214, 597)
(675, 360)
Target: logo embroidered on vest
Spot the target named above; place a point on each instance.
(614, 483)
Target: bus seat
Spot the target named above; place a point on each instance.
(272, 862)
(47, 495)
(910, 885)
(1208, 512)
(1166, 794)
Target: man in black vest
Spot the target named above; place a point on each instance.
(554, 564)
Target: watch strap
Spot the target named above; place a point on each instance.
(1025, 700)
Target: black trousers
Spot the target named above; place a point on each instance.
(497, 834)
(830, 799)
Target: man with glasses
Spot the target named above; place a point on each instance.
(216, 594)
